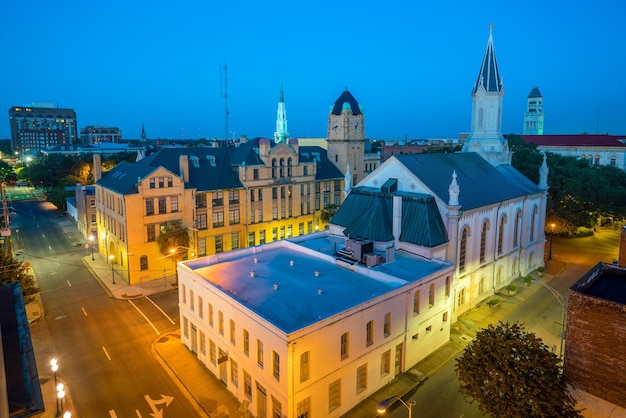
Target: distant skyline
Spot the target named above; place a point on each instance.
(410, 64)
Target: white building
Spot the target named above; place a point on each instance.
(294, 330)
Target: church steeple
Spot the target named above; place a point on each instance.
(486, 132)
(281, 133)
(143, 134)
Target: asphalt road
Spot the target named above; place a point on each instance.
(103, 345)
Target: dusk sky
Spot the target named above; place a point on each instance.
(410, 64)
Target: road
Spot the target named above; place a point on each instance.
(103, 345)
(541, 313)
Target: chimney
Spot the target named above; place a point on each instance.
(97, 168)
(396, 220)
(622, 248)
(294, 144)
(264, 148)
(183, 163)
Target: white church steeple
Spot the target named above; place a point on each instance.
(486, 132)
(281, 133)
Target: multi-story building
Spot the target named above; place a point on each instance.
(86, 221)
(293, 329)
(37, 127)
(94, 134)
(227, 198)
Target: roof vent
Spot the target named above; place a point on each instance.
(211, 159)
(275, 285)
(252, 273)
(320, 290)
(317, 273)
(195, 161)
(256, 260)
(291, 262)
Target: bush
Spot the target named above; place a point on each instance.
(541, 269)
(583, 231)
(511, 288)
(528, 280)
(494, 302)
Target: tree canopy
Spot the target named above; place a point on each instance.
(12, 270)
(173, 235)
(511, 373)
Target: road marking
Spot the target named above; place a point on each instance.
(161, 310)
(138, 413)
(84, 311)
(43, 235)
(112, 413)
(106, 353)
(50, 248)
(145, 317)
(68, 283)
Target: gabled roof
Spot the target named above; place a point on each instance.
(585, 140)
(367, 213)
(480, 183)
(489, 76)
(534, 93)
(346, 100)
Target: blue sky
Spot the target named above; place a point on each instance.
(410, 64)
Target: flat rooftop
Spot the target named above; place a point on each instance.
(292, 295)
(604, 281)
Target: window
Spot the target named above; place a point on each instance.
(161, 183)
(151, 232)
(251, 239)
(232, 332)
(448, 286)
(201, 246)
(219, 244)
(276, 365)
(445, 317)
(218, 219)
(200, 307)
(247, 384)
(201, 221)
(260, 217)
(233, 216)
(369, 333)
(387, 325)
(334, 395)
(260, 195)
(282, 167)
(174, 204)
(259, 353)
(518, 221)
(461, 297)
(277, 409)
(483, 240)
(416, 302)
(463, 248)
(149, 207)
(305, 170)
(192, 300)
(361, 378)
(184, 294)
(234, 239)
(274, 234)
(274, 193)
(220, 322)
(143, 262)
(210, 315)
(162, 205)
(218, 198)
(304, 366)
(282, 192)
(431, 294)
(385, 363)
(533, 219)
(273, 168)
(499, 276)
(501, 233)
(200, 200)
(246, 342)
(274, 213)
(233, 197)
(234, 372)
(152, 183)
(345, 345)
(303, 409)
(255, 174)
(301, 228)
(202, 343)
(169, 182)
(212, 351)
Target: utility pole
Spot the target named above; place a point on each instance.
(225, 96)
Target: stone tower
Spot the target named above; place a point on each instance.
(533, 117)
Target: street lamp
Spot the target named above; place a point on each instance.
(561, 301)
(383, 405)
(60, 395)
(111, 257)
(552, 225)
(174, 251)
(91, 238)
(55, 367)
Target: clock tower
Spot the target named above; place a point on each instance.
(346, 136)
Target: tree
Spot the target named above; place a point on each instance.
(328, 212)
(511, 373)
(12, 270)
(174, 235)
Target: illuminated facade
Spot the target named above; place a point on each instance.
(94, 134)
(34, 128)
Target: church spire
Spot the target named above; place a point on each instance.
(143, 134)
(489, 76)
(281, 133)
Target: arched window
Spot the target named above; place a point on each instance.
(501, 234)
(499, 276)
(514, 268)
(143, 262)
(481, 115)
(533, 219)
(612, 160)
(530, 261)
(282, 167)
(463, 248)
(516, 229)
(273, 168)
(481, 285)
(289, 167)
(596, 159)
(461, 300)
(483, 240)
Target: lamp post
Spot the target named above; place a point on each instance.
(60, 395)
(551, 236)
(55, 367)
(384, 404)
(91, 238)
(111, 257)
(561, 301)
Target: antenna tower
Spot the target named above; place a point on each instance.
(225, 96)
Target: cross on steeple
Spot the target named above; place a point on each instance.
(491, 26)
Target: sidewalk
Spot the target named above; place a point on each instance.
(217, 402)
